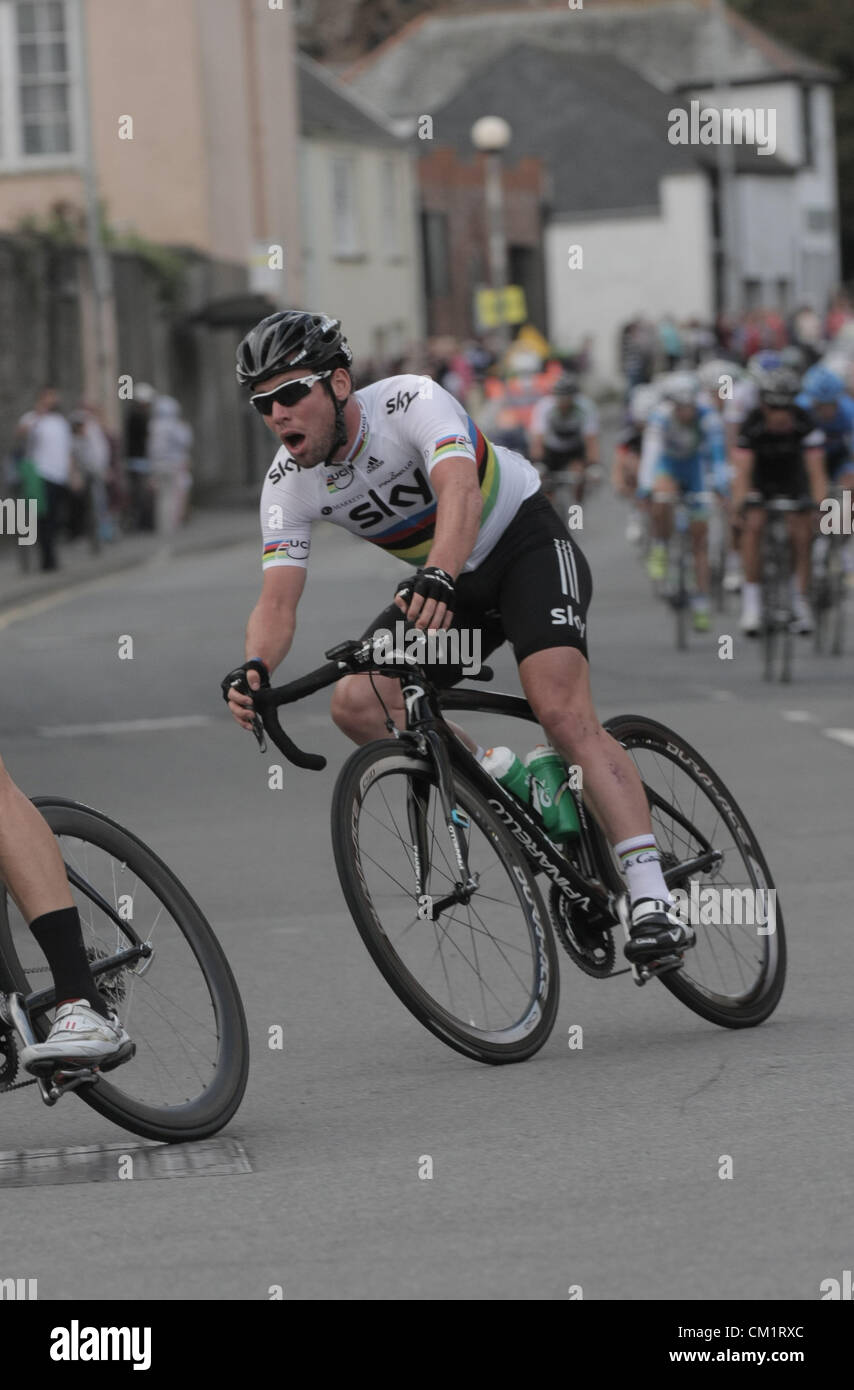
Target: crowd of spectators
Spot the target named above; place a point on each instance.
(648, 348)
(87, 482)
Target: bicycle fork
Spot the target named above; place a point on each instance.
(429, 908)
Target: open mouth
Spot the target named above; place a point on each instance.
(293, 440)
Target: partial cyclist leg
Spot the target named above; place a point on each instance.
(556, 682)
(32, 868)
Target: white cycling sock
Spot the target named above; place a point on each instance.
(640, 863)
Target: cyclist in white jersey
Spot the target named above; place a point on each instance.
(402, 464)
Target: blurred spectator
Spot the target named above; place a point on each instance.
(637, 352)
(806, 331)
(104, 449)
(140, 484)
(840, 313)
(670, 340)
(44, 436)
(170, 442)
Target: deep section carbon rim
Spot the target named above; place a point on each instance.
(735, 973)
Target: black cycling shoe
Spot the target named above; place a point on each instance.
(656, 931)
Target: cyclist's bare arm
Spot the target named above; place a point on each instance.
(459, 504)
(743, 463)
(537, 448)
(591, 448)
(817, 474)
(270, 630)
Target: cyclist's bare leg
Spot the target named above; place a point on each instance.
(359, 714)
(700, 544)
(661, 520)
(751, 537)
(557, 685)
(800, 532)
(30, 862)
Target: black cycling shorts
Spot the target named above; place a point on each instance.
(779, 482)
(532, 590)
(554, 460)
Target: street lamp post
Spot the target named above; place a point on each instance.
(491, 135)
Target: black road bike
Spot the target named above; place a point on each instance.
(156, 961)
(458, 893)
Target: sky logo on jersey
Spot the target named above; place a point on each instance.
(402, 401)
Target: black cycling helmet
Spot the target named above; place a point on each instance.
(295, 338)
(291, 338)
(566, 385)
(779, 388)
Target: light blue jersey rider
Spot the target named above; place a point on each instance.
(693, 453)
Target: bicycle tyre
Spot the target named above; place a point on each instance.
(207, 1113)
(363, 770)
(636, 731)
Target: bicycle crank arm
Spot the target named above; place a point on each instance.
(55, 1088)
(19, 1018)
(701, 865)
(649, 970)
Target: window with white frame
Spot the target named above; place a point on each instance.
(345, 210)
(37, 125)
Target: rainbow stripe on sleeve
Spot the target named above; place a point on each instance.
(410, 538)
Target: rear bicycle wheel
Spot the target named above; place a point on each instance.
(481, 975)
(734, 975)
(180, 1004)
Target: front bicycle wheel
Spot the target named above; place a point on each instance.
(479, 971)
(734, 975)
(179, 1002)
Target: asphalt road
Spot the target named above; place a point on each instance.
(596, 1167)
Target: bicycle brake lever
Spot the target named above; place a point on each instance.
(258, 731)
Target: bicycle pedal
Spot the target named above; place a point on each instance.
(54, 1087)
(124, 1054)
(650, 969)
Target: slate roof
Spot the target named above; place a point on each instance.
(600, 129)
(671, 44)
(327, 106)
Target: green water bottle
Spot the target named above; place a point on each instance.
(551, 795)
(506, 768)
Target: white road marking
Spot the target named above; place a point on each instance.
(845, 736)
(799, 716)
(126, 726)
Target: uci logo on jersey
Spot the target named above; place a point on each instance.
(294, 549)
(401, 495)
(402, 401)
(341, 479)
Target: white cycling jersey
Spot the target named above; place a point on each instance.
(382, 490)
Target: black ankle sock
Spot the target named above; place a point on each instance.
(61, 938)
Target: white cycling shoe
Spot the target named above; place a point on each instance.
(79, 1037)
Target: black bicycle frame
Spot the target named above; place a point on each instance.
(425, 723)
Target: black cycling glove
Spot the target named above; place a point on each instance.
(430, 582)
(236, 679)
